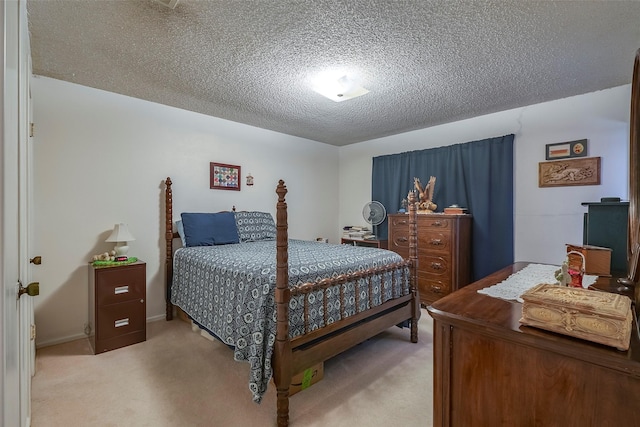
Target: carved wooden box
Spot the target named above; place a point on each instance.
(596, 316)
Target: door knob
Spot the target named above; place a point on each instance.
(37, 260)
(32, 289)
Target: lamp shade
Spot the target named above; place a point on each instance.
(120, 234)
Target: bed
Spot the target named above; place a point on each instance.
(285, 305)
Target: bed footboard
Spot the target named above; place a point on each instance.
(290, 356)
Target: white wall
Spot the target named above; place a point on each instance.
(545, 218)
(101, 158)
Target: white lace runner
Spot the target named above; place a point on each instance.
(533, 274)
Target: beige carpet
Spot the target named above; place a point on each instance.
(178, 378)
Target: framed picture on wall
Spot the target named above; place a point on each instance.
(563, 150)
(563, 173)
(224, 177)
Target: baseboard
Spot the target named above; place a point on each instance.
(62, 340)
(156, 318)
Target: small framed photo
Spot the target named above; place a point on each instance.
(224, 177)
(564, 150)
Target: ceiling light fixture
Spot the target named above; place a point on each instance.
(340, 89)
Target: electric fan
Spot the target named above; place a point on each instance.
(374, 213)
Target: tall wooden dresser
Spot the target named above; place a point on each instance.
(444, 251)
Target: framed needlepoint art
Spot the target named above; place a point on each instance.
(224, 177)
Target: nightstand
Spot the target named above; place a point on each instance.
(117, 306)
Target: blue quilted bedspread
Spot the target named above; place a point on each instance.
(229, 291)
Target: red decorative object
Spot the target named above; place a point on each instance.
(576, 278)
(576, 268)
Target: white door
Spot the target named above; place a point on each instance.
(26, 316)
(16, 313)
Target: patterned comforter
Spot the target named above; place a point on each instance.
(229, 291)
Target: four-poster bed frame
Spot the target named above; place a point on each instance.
(293, 355)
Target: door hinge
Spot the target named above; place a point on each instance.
(31, 129)
(33, 332)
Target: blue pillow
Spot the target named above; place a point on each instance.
(208, 229)
(225, 230)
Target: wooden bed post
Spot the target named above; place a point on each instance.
(282, 356)
(413, 269)
(168, 206)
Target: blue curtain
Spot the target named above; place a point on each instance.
(477, 175)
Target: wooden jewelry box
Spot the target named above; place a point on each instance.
(601, 317)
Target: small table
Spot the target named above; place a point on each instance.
(372, 243)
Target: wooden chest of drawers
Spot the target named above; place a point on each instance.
(444, 251)
(117, 306)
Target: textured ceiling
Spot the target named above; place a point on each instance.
(424, 62)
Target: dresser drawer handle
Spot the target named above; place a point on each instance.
(402, 239)
(436, 266)
(121, 322)
(436, 224)
(436, 289)
(121, 289)
(436, 242)
(401, 222)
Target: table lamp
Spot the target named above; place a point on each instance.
(121, 236)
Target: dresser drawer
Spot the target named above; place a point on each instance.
(432, 222)
(432, 289)
(434, 265)
(399, 241)
(399, 222)
(121, 319)
(434, 240)
(118, 285)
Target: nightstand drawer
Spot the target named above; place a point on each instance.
(120, 285)
(121, 319)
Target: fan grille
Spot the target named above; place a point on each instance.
(374, 212)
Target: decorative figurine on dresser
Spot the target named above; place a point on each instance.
(425, 195)
(117, 296)
(444, 247)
